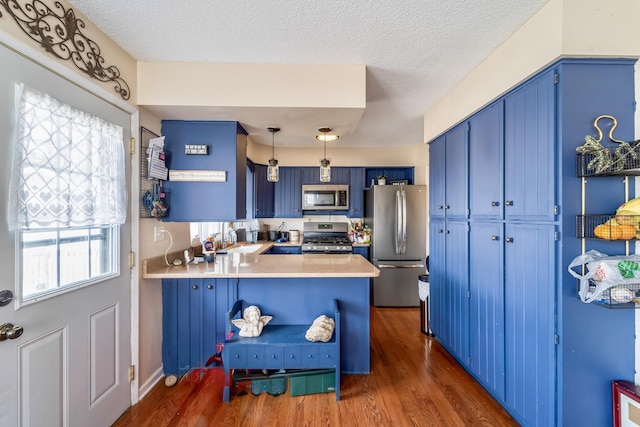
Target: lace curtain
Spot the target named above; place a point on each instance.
(67, 167)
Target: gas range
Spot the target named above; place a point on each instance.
(325, 238)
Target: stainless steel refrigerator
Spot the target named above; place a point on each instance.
(397, 217)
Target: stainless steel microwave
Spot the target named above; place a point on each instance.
(325, 197)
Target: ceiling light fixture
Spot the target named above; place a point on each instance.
(273, 171)
(325, 164)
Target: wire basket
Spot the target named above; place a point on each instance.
(621, 296)
(606, 162)
(608, 227)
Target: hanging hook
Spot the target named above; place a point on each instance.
(613, 126)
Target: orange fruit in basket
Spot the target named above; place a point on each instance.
(627, 232)
(608, 232)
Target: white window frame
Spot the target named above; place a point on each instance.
(22, 300)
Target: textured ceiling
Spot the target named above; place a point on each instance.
(415, 51)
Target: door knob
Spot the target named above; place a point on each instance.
(9, 331)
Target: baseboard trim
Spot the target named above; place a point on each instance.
(150, 383)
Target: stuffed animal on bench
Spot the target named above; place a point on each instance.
(252, 322)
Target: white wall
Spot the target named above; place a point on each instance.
(606, 28)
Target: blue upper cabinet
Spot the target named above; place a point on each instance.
(311, 175)
(485, 162)
(529, 143)
(448, 172)
(207, 201)
(288, 193)
(356, 193)
(263, 193)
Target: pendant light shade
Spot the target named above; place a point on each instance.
(325, 164)
(273, 171)
(325, 170)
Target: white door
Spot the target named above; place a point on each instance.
(71, 365)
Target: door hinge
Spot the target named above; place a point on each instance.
(556, 339)
(132, 373)
(132, 259)
(132, 145)
(556, 210)
(556, 236)
(556, 78)
(468, 294)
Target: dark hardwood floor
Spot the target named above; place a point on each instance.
(414, 382)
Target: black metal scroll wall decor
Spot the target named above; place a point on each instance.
(59, 32)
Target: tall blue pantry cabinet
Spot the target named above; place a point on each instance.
(503, 303)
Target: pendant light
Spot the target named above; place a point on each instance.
(325, 164)
(273, 171)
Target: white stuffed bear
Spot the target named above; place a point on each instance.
(252, 322)
(321, 329)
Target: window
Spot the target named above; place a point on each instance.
(66, 258)
(67, 196)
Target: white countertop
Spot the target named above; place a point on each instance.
(256, 264)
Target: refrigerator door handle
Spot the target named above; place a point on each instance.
(400, 266)
(403, 248)
(398, 236)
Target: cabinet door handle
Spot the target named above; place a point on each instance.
(508, 203)
(440, 230)
(446, 232)
(440, 207)
(494, 237)
(495, 203)
(209, 286)
(446, 206)
(194, 287)
(509, 239)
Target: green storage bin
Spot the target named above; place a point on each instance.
(273, 386)
(311, 382)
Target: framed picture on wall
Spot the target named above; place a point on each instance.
(626, 404)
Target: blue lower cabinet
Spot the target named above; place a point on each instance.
(284, 250)
(194, 318)
(192, 322)
(361, 250)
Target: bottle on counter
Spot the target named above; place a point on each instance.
(366, 234)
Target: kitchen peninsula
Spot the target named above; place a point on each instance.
(294, 289)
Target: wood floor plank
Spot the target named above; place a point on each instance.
(413, 382)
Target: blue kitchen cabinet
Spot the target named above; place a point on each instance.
(392, 174)
(361, 250)
(192, 322)
(340, 175)
(206, 201)
(518, 286)
(448, 172)
(486, 302)
(288, 193)
(529, 311)
(263, 193)
(529, 153)
(310, 175)
(284, 250)
(486, 138)
(356, 193)
(449, 285)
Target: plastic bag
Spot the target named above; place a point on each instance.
(605, 272)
